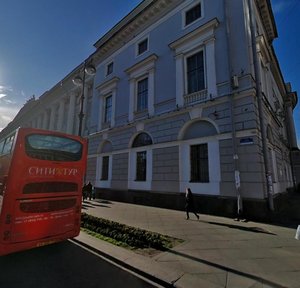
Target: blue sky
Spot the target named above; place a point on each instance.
(44, 40)
(287, 13)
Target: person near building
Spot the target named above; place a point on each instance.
(189, 203)
(89, 189)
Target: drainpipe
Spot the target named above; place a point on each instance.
(257, 75)
(233, 130)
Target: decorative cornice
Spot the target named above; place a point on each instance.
(266, 13)
(127, 28)
(291, 99)
(109, 83)
(149, 60)
(208, 26)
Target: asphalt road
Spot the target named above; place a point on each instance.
(63, 265)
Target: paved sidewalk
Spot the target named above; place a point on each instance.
(217, 251)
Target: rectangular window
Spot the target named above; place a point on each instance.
(108, 109)
(141, 164)
(143, 46)
(105, 167)
(142, 95)
(195, 72)
(109, 68)
(199, 163)
(193, 14)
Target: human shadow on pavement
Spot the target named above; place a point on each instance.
(99, 205)
(248, 229)
(228, 269)
(86, 205)
(104, 201)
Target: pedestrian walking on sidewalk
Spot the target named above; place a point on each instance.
(89, 189)
(189, 203)
(240, 213)
(84, 193)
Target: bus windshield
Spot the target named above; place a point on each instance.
(53, 148)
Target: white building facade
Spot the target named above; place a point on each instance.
(186, 94)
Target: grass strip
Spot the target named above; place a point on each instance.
(126, 236)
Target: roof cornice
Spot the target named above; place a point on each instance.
(131, 25)
(124, 22)
(267, 16)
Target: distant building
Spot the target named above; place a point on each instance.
(186, 94)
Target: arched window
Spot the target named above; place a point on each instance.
(199, 129)
(143, 139)
(106, 147)
(199, 162)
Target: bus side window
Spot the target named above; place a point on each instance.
(1, 146)
(8, 144)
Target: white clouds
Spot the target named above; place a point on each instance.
(4, 91)
(6, 118)
(8, 105)
(9, 111)
(8, 96)
(5, 88)
(4, 99)
(7, 101)
(7, 114)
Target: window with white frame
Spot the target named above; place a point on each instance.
(195, 72)
(199, 163)
(142, 46)
(105, 168)
(142, 95)
(192, 13)
(109, 68)
(107, 97)
(104, 165)
(141, 161)
(199, 158)
(196, 65)
(107, 109)
(141, 166)
(141, 79)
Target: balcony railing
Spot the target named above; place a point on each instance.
(195, 97)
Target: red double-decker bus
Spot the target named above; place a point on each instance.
(41, 177)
